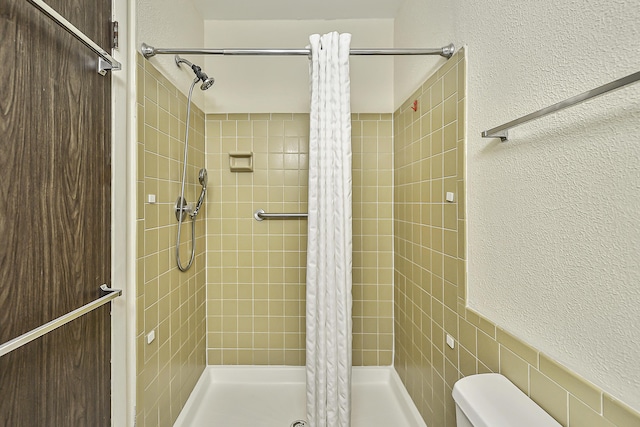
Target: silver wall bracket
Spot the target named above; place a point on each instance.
(502, 134)
(182, 209)
(258, 215)
(147, 51)
(448, 51)
(105, 288)
(103, 67)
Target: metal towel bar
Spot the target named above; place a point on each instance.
(62, 320)
(106, 62)
(502, 131)
(260, 215)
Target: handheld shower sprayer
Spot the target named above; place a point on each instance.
(183, 208)
(207, 81)
(203, 178)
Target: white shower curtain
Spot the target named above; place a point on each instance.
(329, 254)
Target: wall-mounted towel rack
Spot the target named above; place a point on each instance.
(260, 215)
(27, 337)
(502, 131)
(106, 61)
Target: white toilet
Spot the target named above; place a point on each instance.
(491, 400)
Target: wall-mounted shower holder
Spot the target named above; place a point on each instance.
(182, 209)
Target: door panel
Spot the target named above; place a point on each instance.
(55, 174)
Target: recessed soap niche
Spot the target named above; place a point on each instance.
(241, 161)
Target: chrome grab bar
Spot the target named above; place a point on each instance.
(106, 62)
(56, 323)
(502, 131)
(260, 215)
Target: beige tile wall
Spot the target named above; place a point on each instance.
(256, 270)
(168, 302)
(429, 291)
(429, 239)
(372, 143)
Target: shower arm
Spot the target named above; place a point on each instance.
(149, 51)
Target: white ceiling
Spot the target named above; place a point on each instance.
(297, 9)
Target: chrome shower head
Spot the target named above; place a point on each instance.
(207, 81)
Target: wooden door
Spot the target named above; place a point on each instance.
(55, 175)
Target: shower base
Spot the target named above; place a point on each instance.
(274, 396)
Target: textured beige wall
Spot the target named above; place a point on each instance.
(256, 270)
(553, 214)
(170, 23)
(168, 302)
(430, 280)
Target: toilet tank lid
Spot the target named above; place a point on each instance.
(491, 400)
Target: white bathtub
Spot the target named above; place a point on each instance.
(274, 396)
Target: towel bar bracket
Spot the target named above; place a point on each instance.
(503, 135)
(104, 66)
(105, 288)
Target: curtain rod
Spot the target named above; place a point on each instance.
(149, 51)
